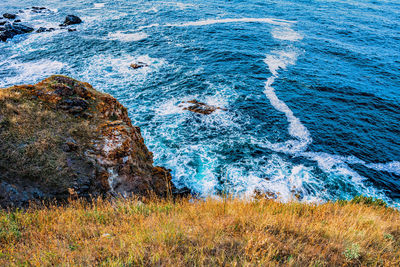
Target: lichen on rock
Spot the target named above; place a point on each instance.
(61, 136)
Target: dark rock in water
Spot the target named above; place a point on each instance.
(48, 152)
(72, 30)
(4, 35)
(71, 20)
(21, 29)
(10, 30)
(7, 32)
(42, 29)
(17, 20)
(38, 8)
(3, 22)
(138, 65)
(9, 16)
(201, 108)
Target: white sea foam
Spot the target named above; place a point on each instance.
(183, 6)
(152, 9)
(333, 163)
(148, 26)
(127, 37)
(195, 161)
(272, 21)
(99, 5)
(286, 33)
(30, 72)
(393, 167)
(109, 71)
(331, 160)
(276, 177)
(172, 106)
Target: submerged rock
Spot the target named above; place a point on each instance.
(42, 29)
(138, 65)
(9, 16)
(199, 107)
(71, 20)
(61, 136)
(37, 9)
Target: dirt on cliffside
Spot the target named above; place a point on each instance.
(62, 137)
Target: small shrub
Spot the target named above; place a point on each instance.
(388, 236)
(369, 201)
(352, 252)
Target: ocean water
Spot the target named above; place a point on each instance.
(311, 88)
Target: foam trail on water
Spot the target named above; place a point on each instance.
(279, 22)
(148, 26)
(276, 61)
(393, 167)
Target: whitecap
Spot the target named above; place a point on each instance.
(275, 177)
(152, 9)
(183, 6)
(286, 33)
(148, 26)
(127, 37)
(99, 5)
(172, 106)
(30, 72)
(108, 71)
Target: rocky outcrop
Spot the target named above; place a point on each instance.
(62, 137)
(9, 16)
(71, 20)
(138, 65)
(199, 107)
(12, 27)
(9, 30)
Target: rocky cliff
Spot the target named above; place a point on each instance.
(61, 137)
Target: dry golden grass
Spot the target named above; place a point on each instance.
(201, 233)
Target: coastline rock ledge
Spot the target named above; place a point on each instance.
(61, 137)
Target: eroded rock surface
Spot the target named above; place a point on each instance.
(61, 136)
(199, 107)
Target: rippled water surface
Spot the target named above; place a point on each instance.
(311, 88)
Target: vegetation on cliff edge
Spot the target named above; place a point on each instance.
(202, 233)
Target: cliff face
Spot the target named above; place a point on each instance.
(61, 137)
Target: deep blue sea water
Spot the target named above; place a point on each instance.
(311, 88)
